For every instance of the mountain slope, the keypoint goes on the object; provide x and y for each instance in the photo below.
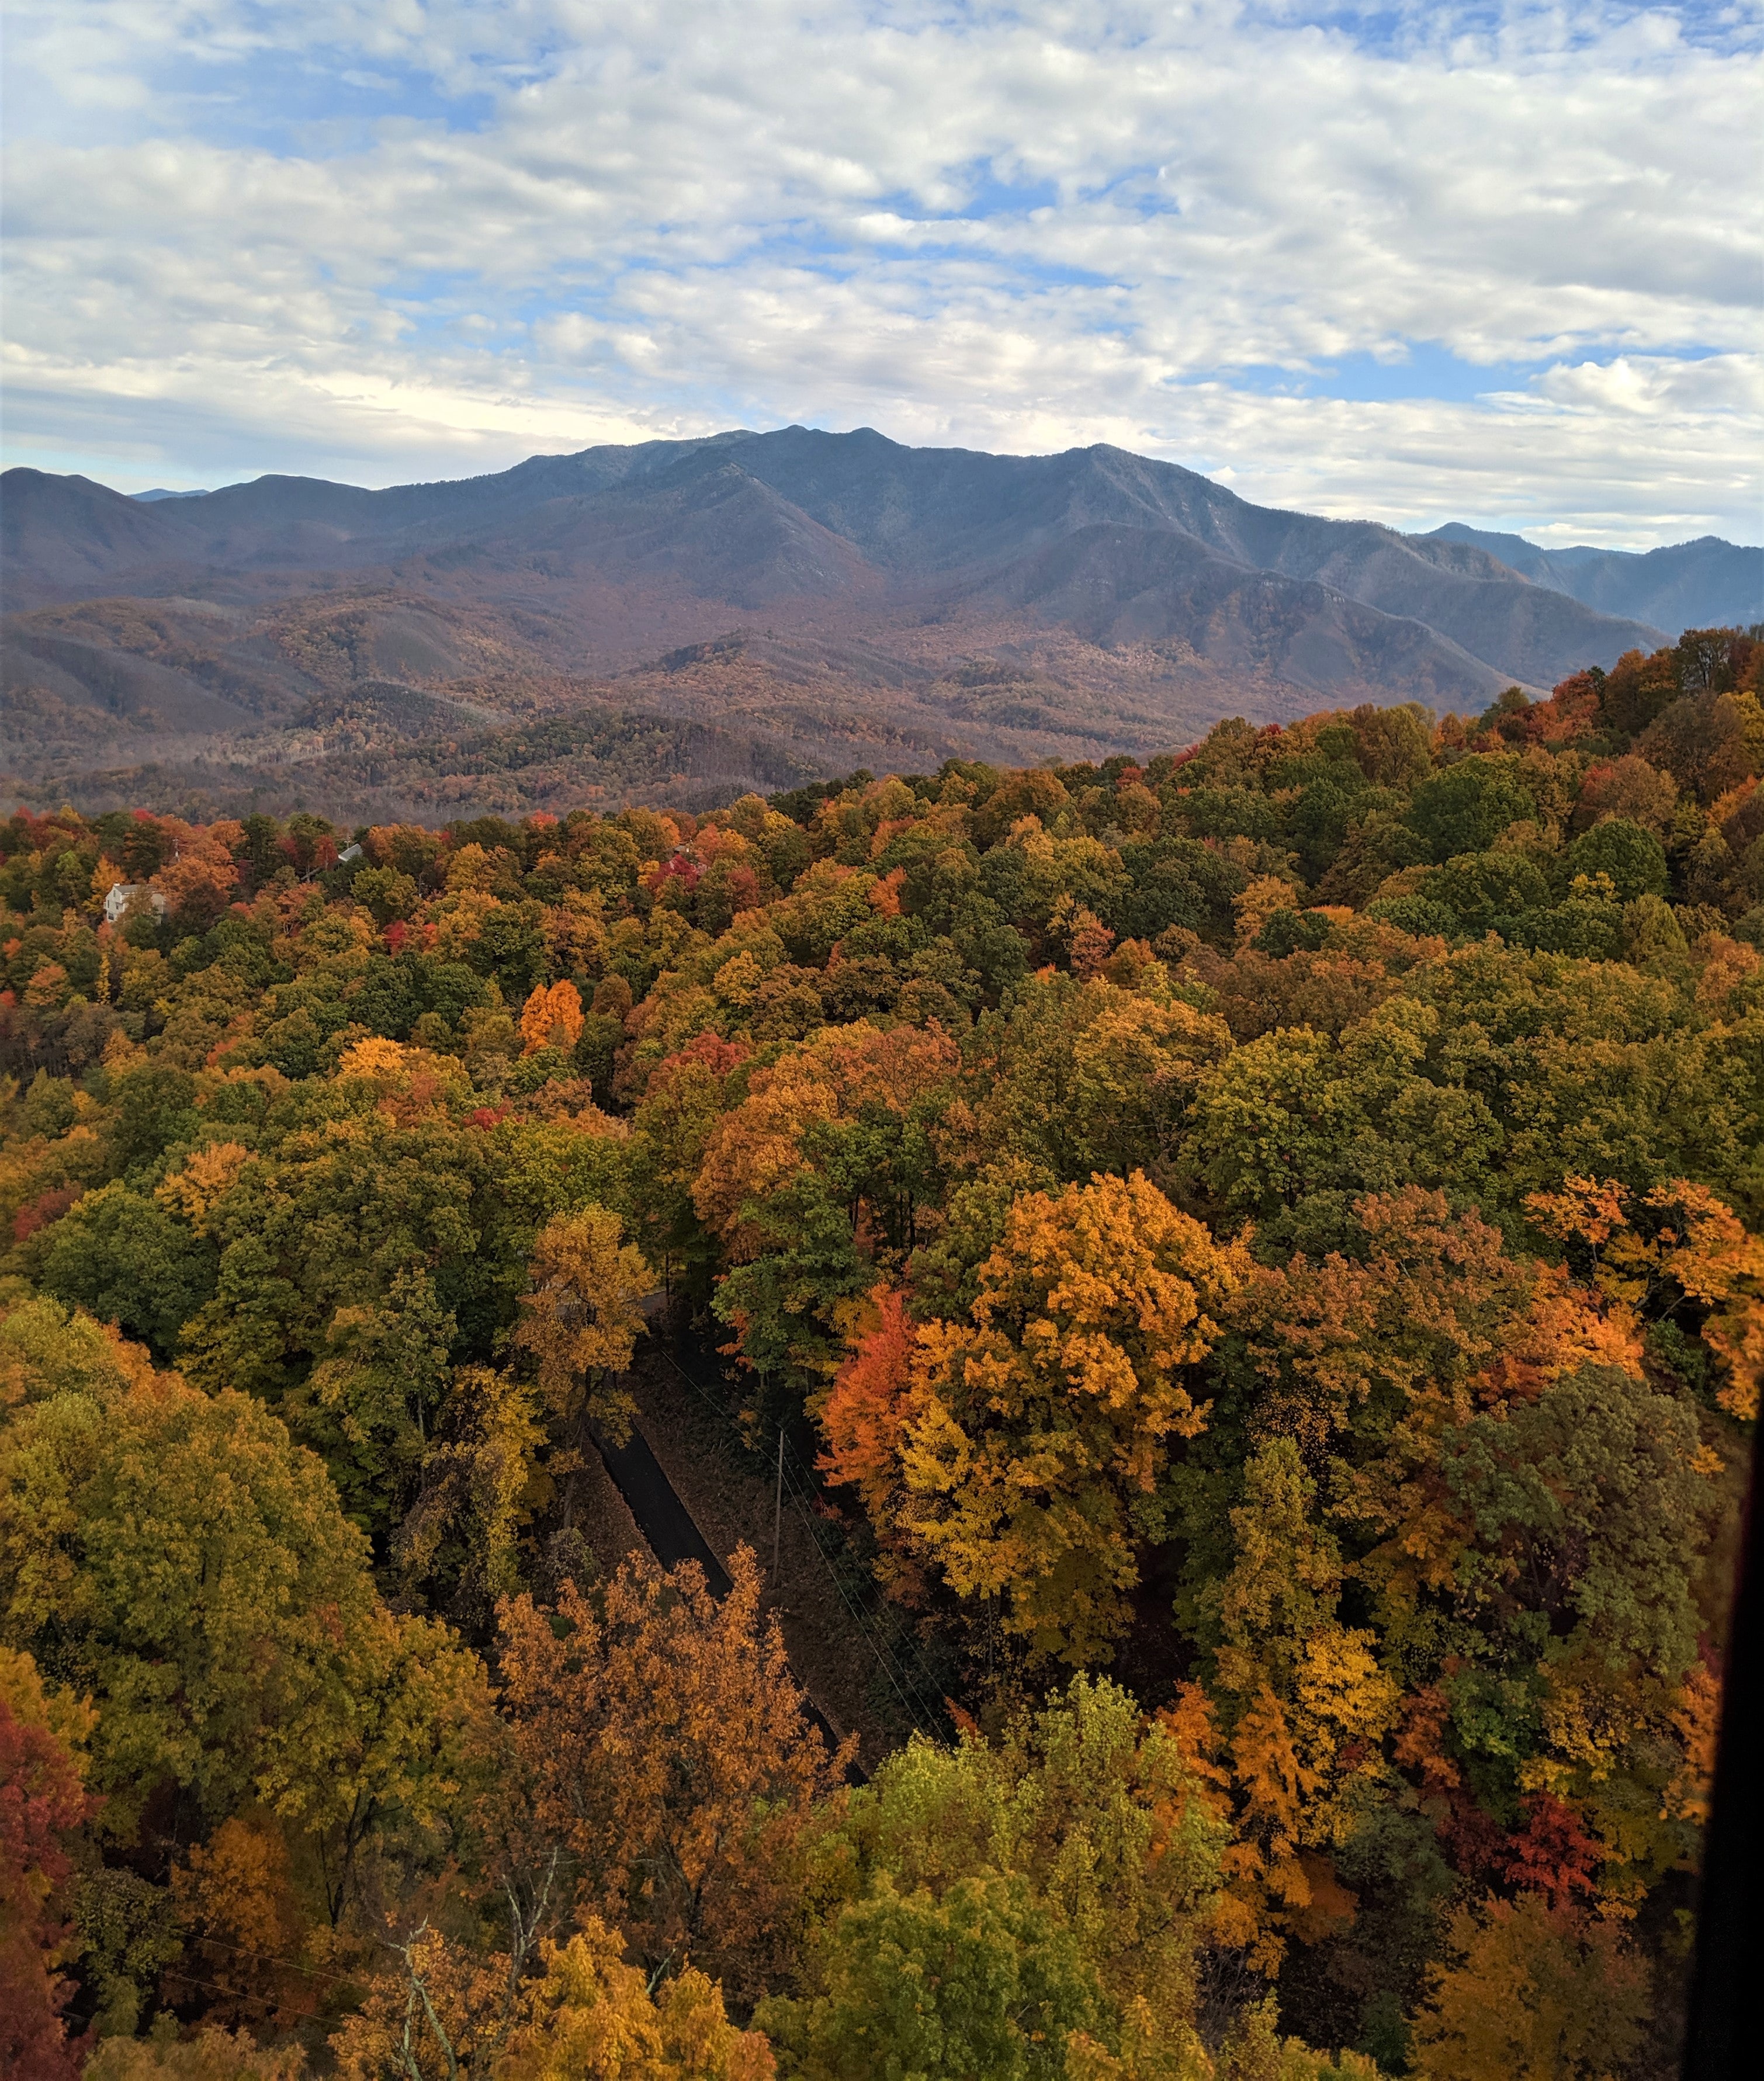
(1705, 584)
(921, 509)
(841, 597)
(750, 520)
(1117, 585)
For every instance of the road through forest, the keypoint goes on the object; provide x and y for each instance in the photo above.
(674, 1537)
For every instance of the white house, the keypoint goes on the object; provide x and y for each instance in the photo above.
(123, 894)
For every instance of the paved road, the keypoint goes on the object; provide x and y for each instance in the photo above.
(667, 1524)
(661, 1518)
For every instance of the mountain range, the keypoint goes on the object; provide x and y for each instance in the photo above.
(1705, 584)
(680, 618)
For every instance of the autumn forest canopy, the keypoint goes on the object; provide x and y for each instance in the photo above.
(1259, 1249)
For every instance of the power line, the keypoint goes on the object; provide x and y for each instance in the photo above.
(794, 1478)
(877, 1647)
(265, 1958)
(236, 1993)
(805, 1511)
(901, 1678)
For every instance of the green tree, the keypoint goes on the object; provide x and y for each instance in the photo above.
(127, 1261)
(1466, 807)
(1072, 1855)
(1294, 1114)
(175, 1556)
(340, 1213)
(1633, 858)
(1588, 1510)
(977, 1982)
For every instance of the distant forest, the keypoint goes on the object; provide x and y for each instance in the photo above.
(1257, 1254)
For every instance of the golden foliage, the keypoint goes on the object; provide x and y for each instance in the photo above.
(581, 1320)
(593, 2018)
(1696, 1720)
(552, 1018)
(209, 1175)
(1532, 1995)
(374, 1058)
(1033, 1431)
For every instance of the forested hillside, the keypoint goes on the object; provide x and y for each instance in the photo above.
(1261, 1245)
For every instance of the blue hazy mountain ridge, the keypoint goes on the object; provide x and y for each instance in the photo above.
(810, 521)
(1706, 583)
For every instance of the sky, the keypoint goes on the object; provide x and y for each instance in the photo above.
(1414, 262)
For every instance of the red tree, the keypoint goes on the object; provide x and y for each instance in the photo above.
(42, 1801)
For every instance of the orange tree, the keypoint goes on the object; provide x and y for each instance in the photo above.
(660, 1742)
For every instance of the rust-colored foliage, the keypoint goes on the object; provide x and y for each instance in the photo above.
(43, 1804)
(760, 1148)
(661, 1742)
(1424, 1309)
(865, 1413)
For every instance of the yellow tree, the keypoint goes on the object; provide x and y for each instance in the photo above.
(581, 1321)
(1531, 1994)
(595, 2019)
(445, 2013)
(1036, 1432)
(1306, 1708)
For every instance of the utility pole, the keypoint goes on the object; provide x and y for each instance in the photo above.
(778, 1509)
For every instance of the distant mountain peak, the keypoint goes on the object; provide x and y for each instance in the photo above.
(1706, 583)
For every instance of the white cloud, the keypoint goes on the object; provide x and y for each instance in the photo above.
(429, 237)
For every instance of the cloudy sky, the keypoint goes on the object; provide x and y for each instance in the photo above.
(1489, 262)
